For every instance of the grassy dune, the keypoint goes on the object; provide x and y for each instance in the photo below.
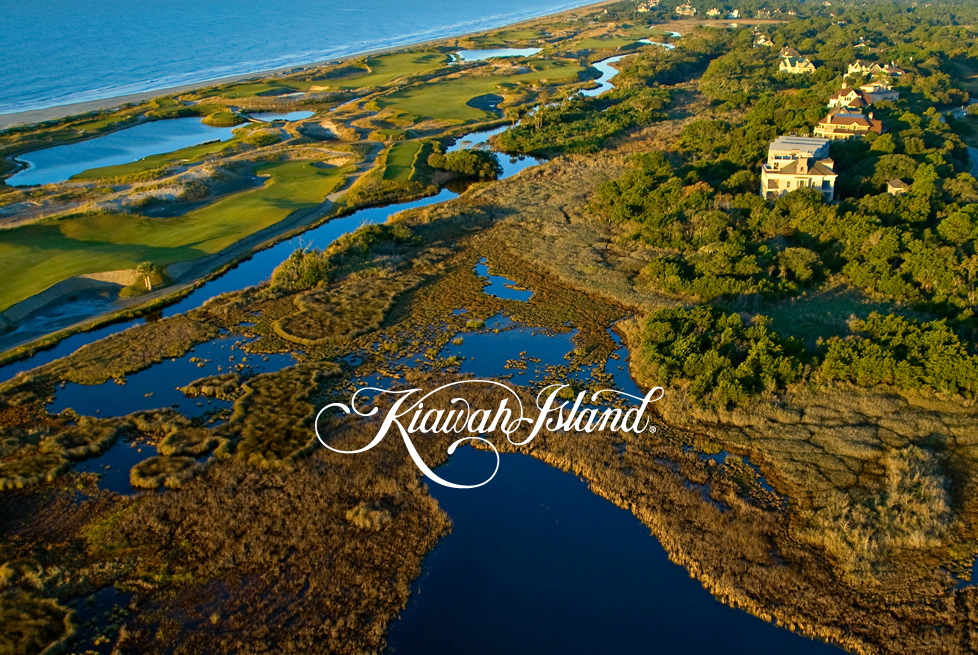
(446, 100)
(34, 257)
(400, 160)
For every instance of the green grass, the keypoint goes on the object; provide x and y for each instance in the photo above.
(386, 68)
(34, 257)
(446, 100)
(824, 313)
(966, 76)
(620, 37)
(251, 89)
(400, 160)
(603, 43)
(383, 70)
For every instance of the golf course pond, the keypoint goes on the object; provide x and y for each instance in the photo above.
(495, 53)
(271, 116)
(61, 163)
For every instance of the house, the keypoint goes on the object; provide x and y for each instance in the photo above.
(762, 13)
(649, 5)
(797, 66)
(847, 99)
(763, 41)
(734, 15)
(838, 126)
(713, 13)
(878, 91)
(897, 187)
(792, 12)
(866, 68)
(789, 52)
(864, 96)
(798, 162)
(686, 10)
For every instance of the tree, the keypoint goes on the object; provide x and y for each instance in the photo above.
(146, 270)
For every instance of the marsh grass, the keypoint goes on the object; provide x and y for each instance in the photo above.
(171, 472)
(30, 624)
(30, 462)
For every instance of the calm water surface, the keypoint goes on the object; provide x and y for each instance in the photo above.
(536, 563)
(482, 55)
(285, 116)
(123, 147)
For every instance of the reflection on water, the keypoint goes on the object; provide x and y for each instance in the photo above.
(97, 615)
(503, 347)
(115, 463)
(499, 286)
(667, 46)
(481, 55)
(536, 563)
(123, 147)
(271, 116)
(157, 386)
(608, 73)
(511, 165)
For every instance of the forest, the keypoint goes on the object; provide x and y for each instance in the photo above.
(719, 242)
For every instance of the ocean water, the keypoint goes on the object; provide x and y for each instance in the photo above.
(57, 52)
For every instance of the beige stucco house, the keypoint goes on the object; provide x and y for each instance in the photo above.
(798, 162)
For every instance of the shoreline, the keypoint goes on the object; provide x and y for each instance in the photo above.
(30, 117)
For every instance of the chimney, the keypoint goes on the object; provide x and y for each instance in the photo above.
(870, 115)
(802, 167)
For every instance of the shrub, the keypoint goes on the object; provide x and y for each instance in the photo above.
(722, 360)
(469, 163)
(905, 353)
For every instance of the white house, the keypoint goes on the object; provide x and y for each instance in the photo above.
(798, 162)
(797, 66)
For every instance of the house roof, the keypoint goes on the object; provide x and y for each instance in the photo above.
(898, 184)
(789, 52)
(817, 168)
(845, 93)
(788, 142)
(850, 120)
(795, 62)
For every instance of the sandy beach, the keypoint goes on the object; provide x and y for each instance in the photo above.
(34, 116)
